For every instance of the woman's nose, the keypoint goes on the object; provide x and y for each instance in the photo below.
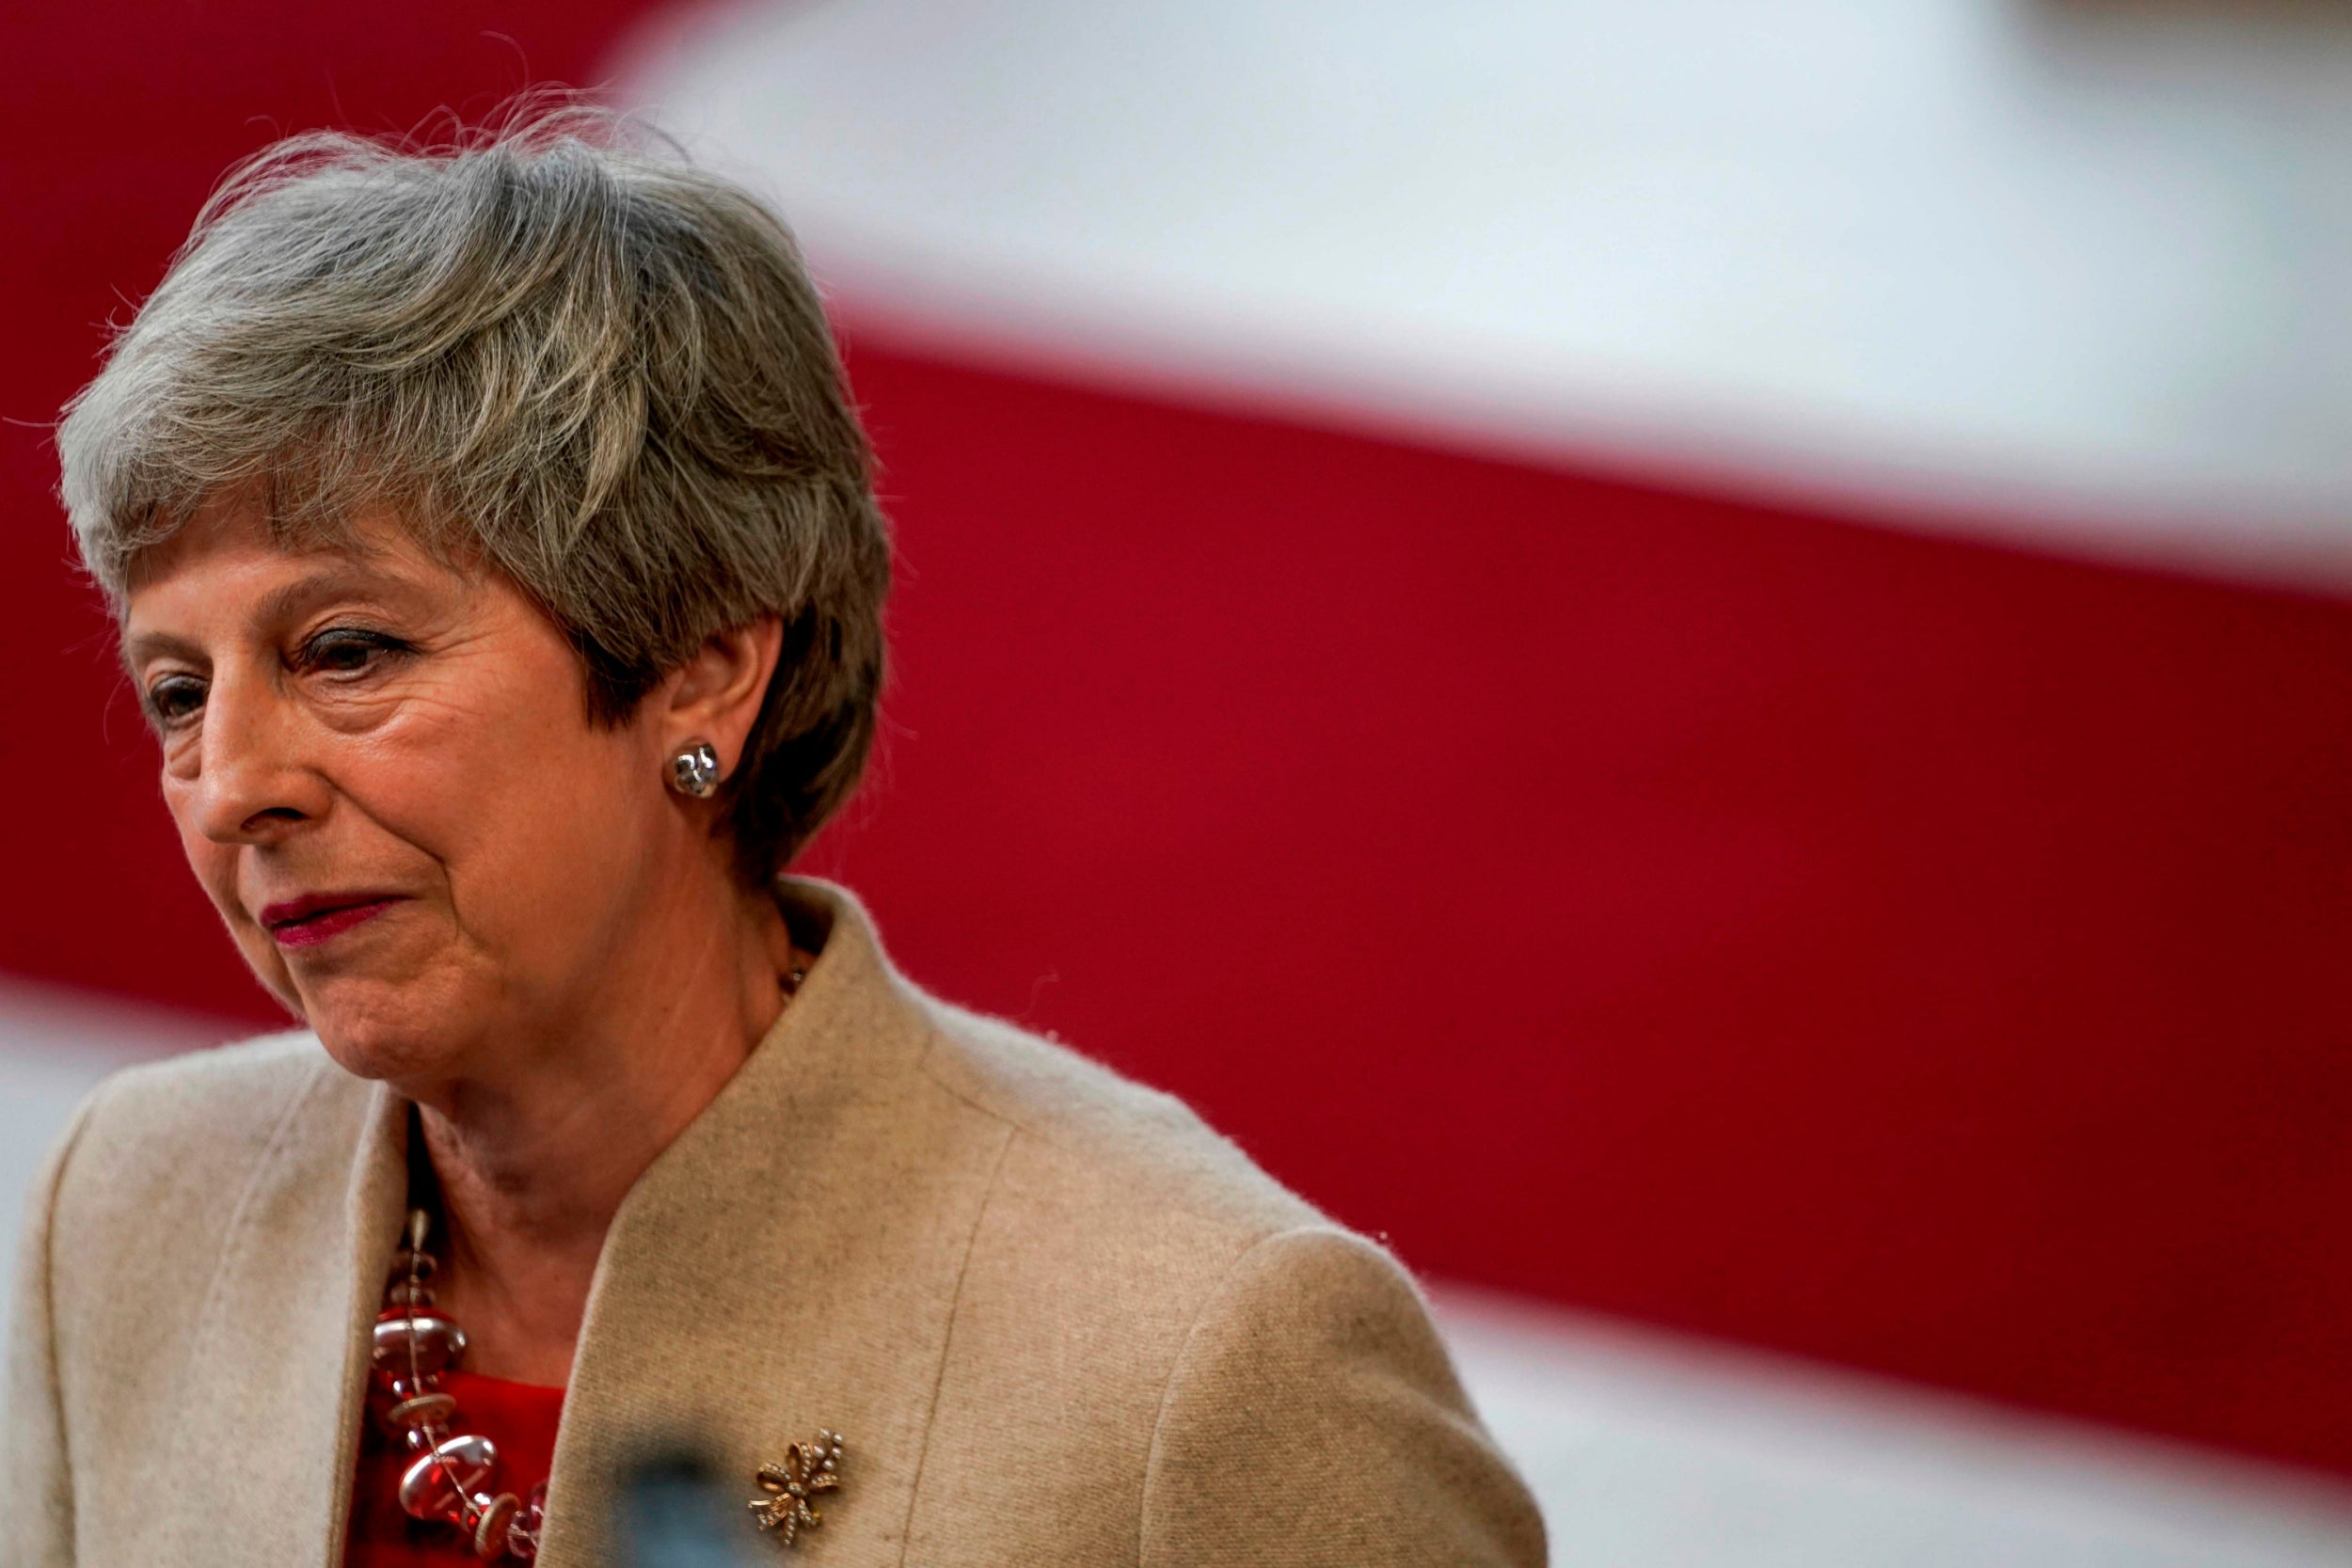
(255, 780)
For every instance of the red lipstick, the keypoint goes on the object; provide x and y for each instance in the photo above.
(312, 918)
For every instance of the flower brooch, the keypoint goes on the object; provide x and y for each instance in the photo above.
(808, 1469)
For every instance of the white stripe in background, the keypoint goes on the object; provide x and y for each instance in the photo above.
(1645, 1450)
(1648, 1449)
(2076, 269)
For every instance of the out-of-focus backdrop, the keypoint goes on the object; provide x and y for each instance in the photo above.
(1694, 658)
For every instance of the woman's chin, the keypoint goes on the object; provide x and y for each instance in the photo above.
(373, 1029)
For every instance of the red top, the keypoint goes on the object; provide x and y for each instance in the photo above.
(520, 1418)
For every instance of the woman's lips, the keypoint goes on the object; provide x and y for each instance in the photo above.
(308, 921)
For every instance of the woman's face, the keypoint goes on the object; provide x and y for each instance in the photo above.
(383, 775)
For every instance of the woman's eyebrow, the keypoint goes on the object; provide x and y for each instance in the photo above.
(286, 602)
(138, 647)
(290, 600)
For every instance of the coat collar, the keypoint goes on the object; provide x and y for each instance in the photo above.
(790, 1262)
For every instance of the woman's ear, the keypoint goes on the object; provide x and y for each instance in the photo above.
(715, 695)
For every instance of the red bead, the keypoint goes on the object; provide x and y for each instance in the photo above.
(440, 1483)
(438, 1344)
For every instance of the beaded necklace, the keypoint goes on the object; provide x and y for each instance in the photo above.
(454, 1479)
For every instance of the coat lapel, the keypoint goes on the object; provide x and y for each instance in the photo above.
(791, 1264)
(301, 1258)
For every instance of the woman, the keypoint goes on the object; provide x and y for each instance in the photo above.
(495, 556)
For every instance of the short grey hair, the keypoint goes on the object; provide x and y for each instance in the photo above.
(551, 347)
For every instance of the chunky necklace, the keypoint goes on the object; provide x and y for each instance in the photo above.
(454, 1478)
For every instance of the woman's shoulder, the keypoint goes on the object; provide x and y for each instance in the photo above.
(225, 1095)
(1079, 1122)
(1128, 1249)
(188, 1131)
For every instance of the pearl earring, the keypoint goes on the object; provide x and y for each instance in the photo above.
(695, 771)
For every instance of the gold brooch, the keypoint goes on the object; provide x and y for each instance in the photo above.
(808, 1469)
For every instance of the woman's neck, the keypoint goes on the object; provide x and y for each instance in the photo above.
(532, 1164)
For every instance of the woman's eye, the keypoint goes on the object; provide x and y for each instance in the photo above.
(175, 699)
(348, 652)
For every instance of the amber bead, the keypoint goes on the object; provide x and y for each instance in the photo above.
(489, 1533)
(421, 1410)
(523, 1536)
(421, 1264)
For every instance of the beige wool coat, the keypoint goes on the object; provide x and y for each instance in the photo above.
(1057, 1319)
